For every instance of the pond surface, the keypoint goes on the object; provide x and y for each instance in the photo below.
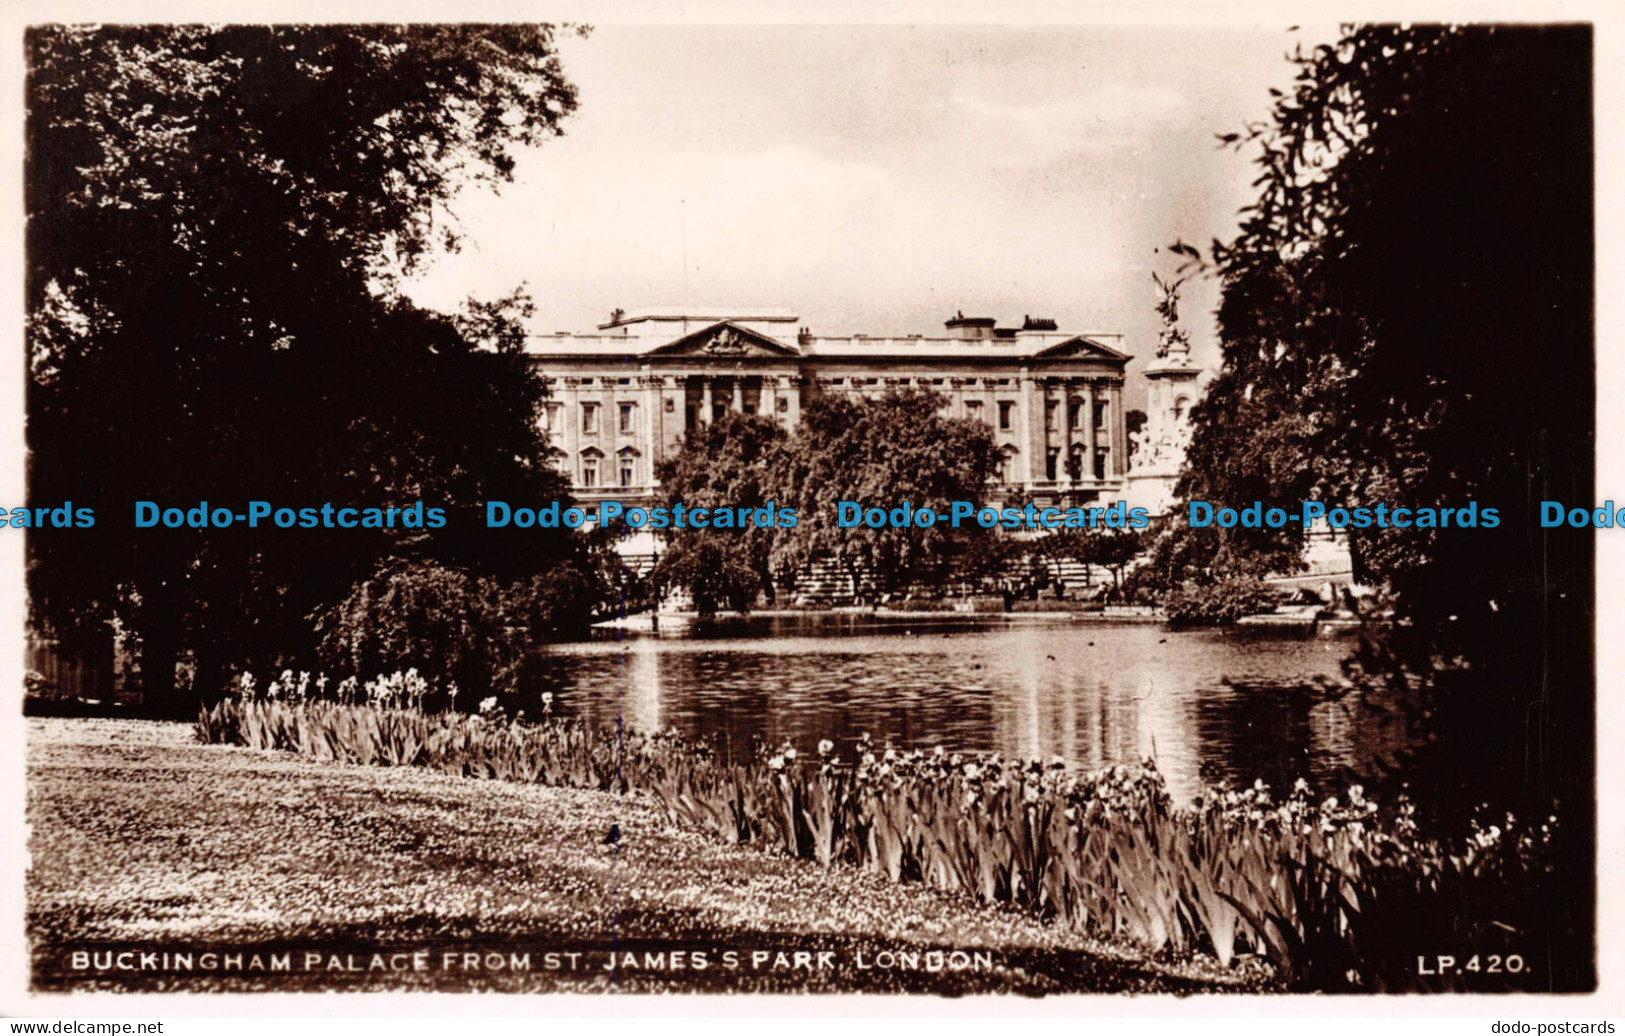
(1207, 705)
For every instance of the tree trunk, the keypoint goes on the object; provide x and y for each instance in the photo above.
(209, 676)
(160, 646)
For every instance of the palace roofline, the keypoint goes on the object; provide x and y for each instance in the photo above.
(1022, 345)
(761, 314)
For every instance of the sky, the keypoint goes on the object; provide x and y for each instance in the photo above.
(879, 179)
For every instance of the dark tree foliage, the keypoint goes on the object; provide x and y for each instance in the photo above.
(423, 615)
(724, 464)
(216, 221)
(1407, 311)
(879, 453)
(1407, 319)
(1111, 549)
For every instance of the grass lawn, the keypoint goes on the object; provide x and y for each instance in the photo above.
(144, 841)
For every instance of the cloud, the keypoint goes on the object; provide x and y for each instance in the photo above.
(1108, 119)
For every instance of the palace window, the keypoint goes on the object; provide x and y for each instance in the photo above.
(1049, 417)
(589, 418)
(589, 472)
(629, 418)
(1005, 465)
(1100, 415)
(1074, 463)
(1006, 410)
(1052, 461)
(973, 410)
(629, 471)
(1100, 464)
(1074, 414)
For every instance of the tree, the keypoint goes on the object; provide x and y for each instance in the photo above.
(217, 220)
(1111, 549)
(879, 453)
(1406, 320)
(1372, 309)
(424, 615)
(722, 464)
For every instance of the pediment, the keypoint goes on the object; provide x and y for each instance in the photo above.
(725, 340)
(1081, 348)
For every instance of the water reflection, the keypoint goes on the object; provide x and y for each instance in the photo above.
(1207, 705)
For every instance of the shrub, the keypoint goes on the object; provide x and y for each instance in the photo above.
(422, 612)
(1218, 604)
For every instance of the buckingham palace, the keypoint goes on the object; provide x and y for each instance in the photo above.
(622, 398)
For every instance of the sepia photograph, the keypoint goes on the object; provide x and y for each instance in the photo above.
(922, 508)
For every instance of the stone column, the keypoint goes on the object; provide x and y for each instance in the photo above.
(790, 387)
(675, 392)
(1117, 421)
(1032, 418)
(737, 404)
(705, 399)
(609, 432)
(570, 439)
(1046, 395)
(649, 434)
(1069, 433)
(1089, 429)
(767, 400)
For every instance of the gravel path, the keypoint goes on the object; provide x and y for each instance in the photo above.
(145, 843)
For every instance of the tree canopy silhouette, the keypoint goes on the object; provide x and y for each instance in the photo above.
(1406, 319)
(879, 453)
(218, 220)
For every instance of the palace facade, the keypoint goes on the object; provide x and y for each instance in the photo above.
(623, 398)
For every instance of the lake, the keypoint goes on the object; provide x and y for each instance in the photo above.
(1208, 705)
